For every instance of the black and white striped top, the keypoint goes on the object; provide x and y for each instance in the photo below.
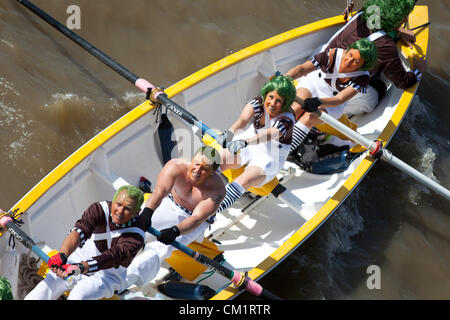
(284, 124)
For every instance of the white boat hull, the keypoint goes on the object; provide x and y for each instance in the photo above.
(255, 239)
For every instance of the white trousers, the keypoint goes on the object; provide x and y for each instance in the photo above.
(362, 102)
(101, 284)
(319, 88)
(146, 265)
(270, 156)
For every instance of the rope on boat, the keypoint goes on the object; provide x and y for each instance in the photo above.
(28, 277)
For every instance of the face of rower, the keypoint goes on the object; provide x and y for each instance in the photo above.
(123, 208)
(352, 61)
(273, 103)
(199, 169)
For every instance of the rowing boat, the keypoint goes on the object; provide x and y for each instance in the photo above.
(261, 230)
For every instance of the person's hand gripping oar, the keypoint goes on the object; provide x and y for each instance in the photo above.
(9, 222)
(241, 280)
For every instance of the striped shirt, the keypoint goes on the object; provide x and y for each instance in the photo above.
(325, 62)
(284, 125)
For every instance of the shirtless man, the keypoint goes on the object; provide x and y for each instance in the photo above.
(182, 205)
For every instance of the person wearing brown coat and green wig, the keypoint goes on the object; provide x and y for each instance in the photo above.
(380, 21)
(328, 81)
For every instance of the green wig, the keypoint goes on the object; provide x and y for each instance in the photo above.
(285, 88)
(5, 289)
(391, 12)
(134, 193)
(368, 52)
(212, 154)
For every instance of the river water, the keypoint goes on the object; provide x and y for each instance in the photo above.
(54, 97)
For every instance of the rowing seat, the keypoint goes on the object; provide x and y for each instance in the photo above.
(264, 190)
(186, 266)
(232, 174)
(330, 130)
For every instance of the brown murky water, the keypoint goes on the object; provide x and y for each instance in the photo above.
(54, 97)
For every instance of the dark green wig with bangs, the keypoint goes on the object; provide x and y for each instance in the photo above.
(368, 52)
(392, 12)
(285, 88)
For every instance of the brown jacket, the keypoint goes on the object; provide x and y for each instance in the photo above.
(123, 248)
(388, 60)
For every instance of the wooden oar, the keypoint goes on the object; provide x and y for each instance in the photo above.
(239, 279)
(376, 149)
(142, 84)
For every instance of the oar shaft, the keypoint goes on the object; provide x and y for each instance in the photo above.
(22, 237)
(81, 42)
(386, 155)
(399, 164)
(421, 26)
(370, 145)
(235, 277)
(140, 83)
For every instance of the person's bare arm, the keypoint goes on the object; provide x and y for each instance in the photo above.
(244, 118)
(164, 184)
(201, 213)
(70, 243)
(301, 70)
(264, 135)
(340, 98)
(206, 207)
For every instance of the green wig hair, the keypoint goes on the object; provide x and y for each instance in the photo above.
(5, 289)
(211, 154)
(134, 193)
(368, 52)
(391, 12)
(285, 88)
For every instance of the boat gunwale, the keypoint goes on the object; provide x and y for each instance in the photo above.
(328, 209)
(136, 113)
(303, 233)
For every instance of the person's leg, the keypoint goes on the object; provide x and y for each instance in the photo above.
(229, 161)
(94, 287)
(49, 288)
(303, 124)
(252, 176)
(145, 266)
(362, 102)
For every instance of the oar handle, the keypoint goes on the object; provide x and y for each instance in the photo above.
(237, 278)
(386, 155)
(421, 26)
(8, 223)
(336, 124)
